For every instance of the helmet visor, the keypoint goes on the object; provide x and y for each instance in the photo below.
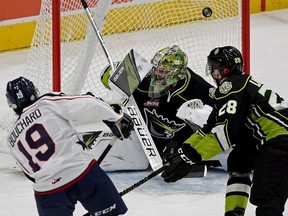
(211, 66)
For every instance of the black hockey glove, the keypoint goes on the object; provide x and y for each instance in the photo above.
(179, 162)
(122, 128)
(169, 151)
(116, 107)
(127, 125)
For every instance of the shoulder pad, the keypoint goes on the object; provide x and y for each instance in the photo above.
(233, 84)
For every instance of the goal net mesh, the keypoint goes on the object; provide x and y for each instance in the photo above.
(143, 25)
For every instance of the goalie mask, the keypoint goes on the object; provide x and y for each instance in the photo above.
(169, 65)
(21, 93)
(227, 60)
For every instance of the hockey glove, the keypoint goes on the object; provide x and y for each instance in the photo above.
(122, 128)
(179, 162)
(127, 125)
(117, 108)
(169, 151)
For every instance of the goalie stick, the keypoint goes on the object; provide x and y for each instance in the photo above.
(126, 78)
(143, 134)
(97, 31)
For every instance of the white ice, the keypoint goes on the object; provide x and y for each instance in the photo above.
(201, 196)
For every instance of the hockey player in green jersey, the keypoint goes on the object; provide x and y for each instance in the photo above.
(244, 110)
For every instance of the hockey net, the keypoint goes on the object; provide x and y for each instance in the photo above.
(144, 25)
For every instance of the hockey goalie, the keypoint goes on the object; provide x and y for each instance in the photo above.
(171, 100)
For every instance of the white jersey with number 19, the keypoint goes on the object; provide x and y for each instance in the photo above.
(45, 143)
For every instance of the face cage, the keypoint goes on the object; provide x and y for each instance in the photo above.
(161, 73)
(161, 80)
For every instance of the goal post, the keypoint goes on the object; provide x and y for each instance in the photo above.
(245, 33)
(56, 48)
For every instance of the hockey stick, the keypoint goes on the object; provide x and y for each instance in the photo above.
(97, 31)
(143, 180)
(106, 150)
(196, 171)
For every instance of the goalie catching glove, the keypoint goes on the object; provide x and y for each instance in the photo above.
(122, 128)
(178, 161)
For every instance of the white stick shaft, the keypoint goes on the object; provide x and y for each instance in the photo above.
(97, 31)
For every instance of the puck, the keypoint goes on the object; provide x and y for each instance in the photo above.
(207, 12)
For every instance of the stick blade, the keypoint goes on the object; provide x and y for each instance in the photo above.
(197, 171)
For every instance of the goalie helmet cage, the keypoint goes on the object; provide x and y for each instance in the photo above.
(71, 50)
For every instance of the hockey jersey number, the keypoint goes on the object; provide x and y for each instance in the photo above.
(37, 137)
(229, 107)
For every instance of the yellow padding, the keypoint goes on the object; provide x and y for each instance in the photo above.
(16, 36)
(276, 4)
(234, 201)
(124, 20)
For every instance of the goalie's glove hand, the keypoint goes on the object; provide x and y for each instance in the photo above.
(122, 128)
(179, 162)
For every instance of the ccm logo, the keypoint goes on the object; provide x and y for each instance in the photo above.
(107, 210)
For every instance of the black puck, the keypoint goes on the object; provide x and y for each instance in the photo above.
(207, 12)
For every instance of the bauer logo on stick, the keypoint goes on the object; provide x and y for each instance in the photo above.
(207, 12)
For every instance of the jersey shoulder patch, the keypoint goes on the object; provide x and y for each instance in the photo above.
(225, 87)
(233, 84)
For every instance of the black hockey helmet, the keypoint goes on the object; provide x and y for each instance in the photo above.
(21, 93)
(227, 59)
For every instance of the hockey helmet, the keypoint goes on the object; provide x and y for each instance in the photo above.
(169, 65)
(21, 93)
(228, 60)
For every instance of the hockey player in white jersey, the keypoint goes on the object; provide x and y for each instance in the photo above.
(53, 155)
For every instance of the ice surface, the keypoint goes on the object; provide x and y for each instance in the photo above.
(199, 197)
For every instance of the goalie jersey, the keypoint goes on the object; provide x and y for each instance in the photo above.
(45, 144)
(160, 113)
